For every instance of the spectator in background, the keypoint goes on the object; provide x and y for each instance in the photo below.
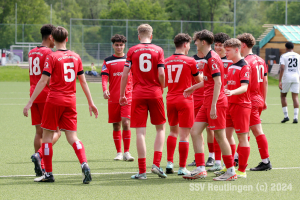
(93, 70)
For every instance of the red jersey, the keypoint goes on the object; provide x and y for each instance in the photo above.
(143, 60)
(213, 68)
(113, 68)
(238, 73)
(179, 71)
(258, 71)
(36, 59)
(199, 93)
(63, 66)
(226, 63)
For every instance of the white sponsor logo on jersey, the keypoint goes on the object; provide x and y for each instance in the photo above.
(231, 82)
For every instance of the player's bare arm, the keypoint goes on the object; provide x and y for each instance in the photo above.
(38, 89)
(280, 76)
(240, 90)
(217, 88)
(124, 79)
(86, 90)
(161, 77)
(198, 78)
(189, 91)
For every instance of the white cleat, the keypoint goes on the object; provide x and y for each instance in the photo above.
(195, 174)
(119, 156)
(127, 157)
(226, 177)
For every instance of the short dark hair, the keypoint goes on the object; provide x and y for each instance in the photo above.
(247, 38)
(118, 38)
(289, 45)
(204, 35)
(181, 38)
(60, 34)
(46, 30)
(221, 37)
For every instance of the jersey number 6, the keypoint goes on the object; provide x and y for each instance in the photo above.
(142, 62)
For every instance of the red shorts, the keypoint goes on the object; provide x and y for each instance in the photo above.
(182, 113)
(116, 112)
(37, 113)
(139, 112)
(238, 117)
(255, 115)
(213, 124)
(59, 116)
(197, 105)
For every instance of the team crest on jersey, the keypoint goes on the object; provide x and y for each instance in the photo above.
(197, 66)
(247, 74)
(214, 66)
(233, 71)
(46, 65)
(104, 67)
(225, 65)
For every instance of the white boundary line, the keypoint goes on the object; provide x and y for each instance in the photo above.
(114, 173)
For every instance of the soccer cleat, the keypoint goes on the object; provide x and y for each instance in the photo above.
(127, 157)
(182, 171)
(219, 173)
(86, 173)
(236, 162)
(169, 168)
(36, 159)
(195, 174)
(285, 119)
(119, 156)
(262, 167)
(139, 176)
(295, 121)
(241, 174)
(159, 171)
(210, 162)
(45, 178)
(192, 164)
(226, 177)
(214, 168)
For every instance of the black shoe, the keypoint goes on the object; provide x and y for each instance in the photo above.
(295, 121)
(285, 119)
(236, 162)
(45, 178)
(210, 162)
(192, 164)
(86, 172)
(262, 167)
(36, 159)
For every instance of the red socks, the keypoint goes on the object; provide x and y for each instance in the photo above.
(233, 147)
(40, 151)
(183, 153)
(171, 145)
(217, 148)
(157, 158)
(199, 159)
(117, 139)
(228, 161)
(47, 153)
(80, 152)
(142, 165)
(262, 144)
(244, 153)
(126, 140)
(211, 147)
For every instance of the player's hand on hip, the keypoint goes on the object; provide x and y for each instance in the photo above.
(228, 92)
(188, 92)
(106, 94)
(280, 85)
(123, 101)
(26, 108)
(213, 112)
(93, 109)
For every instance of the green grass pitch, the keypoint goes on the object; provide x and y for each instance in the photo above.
(111, 179)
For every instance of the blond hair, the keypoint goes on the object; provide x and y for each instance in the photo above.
(233, 42)
(145, 30)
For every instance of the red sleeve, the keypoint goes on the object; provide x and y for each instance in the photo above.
(104, 82)
(128, 59)
(48, 66)
(161, 59)
(194, 68)
(104, 70)
(214, 67)
(245, 74)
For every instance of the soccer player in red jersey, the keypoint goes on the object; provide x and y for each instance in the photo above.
(258, 94)
(112, 70)
(213, 111)
(238, 92)
(36, 59)
(146, 61)
(60, 109)
(180, 70)
(219, 40)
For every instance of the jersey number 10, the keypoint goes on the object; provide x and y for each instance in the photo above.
(260, 73)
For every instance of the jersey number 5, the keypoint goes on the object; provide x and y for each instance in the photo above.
(142, 62)
(260, 73)
(36, 66)
(70, 70)
(171, 68)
